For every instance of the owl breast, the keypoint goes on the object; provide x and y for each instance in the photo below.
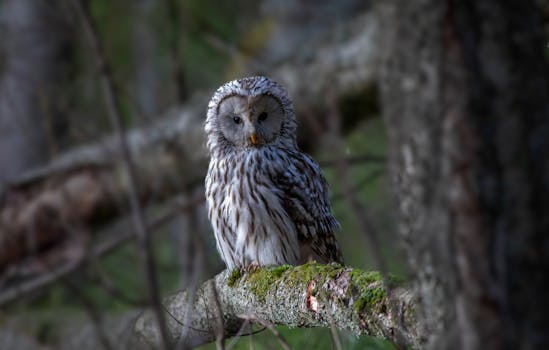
(246, 211)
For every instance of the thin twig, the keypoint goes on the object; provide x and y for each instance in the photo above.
(354, 160)
(177, 207)
(232, 50)
(25, 288)
(269, 326)
(359, 185)
(360, 211)
(93, 313)
(17, 291)
(138, 216)
(219, 324)
(238, 334)
(252, 344)
(174, 20)
(335, 336)
(186, 328)
(344, 175)
(313, 123)
(195, 257)
(101, 278)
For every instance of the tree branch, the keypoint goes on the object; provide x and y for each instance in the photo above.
(311, 295)
(139, 220)
(12, 293)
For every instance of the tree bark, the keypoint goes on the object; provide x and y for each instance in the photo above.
(33, 44)
(466, 101)
(311, 295)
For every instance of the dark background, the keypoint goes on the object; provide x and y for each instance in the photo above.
(429, 120)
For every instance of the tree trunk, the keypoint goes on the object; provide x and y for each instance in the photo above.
(466, 102)
(32, 41)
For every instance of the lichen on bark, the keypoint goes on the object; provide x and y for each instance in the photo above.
(311, 295)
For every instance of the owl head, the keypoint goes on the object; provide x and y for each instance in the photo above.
(251, 112)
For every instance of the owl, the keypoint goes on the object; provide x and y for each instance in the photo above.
(268, 202)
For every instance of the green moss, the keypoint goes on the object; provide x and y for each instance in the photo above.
(367, 287)
(313, 270)
(364, 278)
(262, 280)
(234, 277)
(279, 270)
(370, 298)
(371, 289)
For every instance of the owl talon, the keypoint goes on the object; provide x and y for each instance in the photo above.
(251, 268)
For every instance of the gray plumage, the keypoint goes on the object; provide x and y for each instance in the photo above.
(268, 203)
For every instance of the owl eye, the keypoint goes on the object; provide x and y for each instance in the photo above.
(262, 116)
(237, 120)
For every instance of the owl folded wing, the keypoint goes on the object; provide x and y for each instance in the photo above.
(305, 196)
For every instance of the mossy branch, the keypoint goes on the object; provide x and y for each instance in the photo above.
(311, 295)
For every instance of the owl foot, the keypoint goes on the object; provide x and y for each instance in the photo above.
(251, 268)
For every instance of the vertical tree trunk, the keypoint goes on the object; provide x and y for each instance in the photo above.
(147, 80)
(32, 40)
(466, 101)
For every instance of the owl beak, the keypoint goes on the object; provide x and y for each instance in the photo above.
(254, 139)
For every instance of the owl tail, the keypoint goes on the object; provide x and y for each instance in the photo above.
(323, 249)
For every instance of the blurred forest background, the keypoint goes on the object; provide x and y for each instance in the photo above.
(166, 57)
(78, 233)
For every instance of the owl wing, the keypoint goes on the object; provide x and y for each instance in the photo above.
(305, 196)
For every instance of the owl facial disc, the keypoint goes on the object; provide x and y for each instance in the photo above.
(250, 112)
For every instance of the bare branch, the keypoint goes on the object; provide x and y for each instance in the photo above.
(348, 298)
(355, 160)
(335, 336)
(20, 290)
(138, 215)
(218, 322)
(270, 327)
(94, 314)
(359, 185)
(174, 21)
(99, 276)
(343, 172)
(239, 334)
